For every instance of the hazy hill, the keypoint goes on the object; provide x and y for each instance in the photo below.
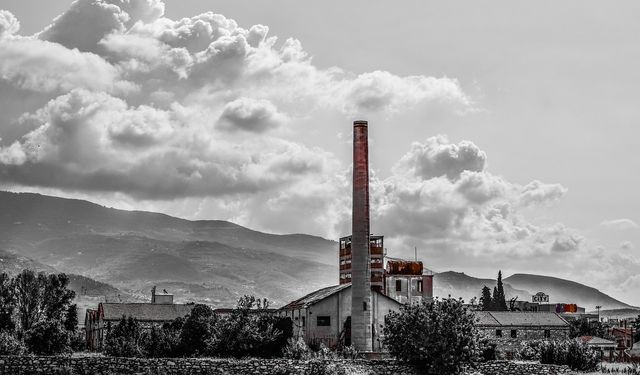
(457, 284)
(562, 291)
(208, 261)
(524, 286)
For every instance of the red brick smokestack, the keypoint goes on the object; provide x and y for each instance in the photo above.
(361, 318)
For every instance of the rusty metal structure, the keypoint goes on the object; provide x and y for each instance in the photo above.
(361, 318)
(376, 256)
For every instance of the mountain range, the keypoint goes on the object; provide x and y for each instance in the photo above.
(119, 255)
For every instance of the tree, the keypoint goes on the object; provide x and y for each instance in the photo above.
(250, 333)
(71, 318)
(197, 329)
(499, 299)
(486, 302)
(40, 297)
(47, 337)
(583, 327)
(7, 303)
(9, 345)
(124, 339)
(436, 337)
(161, 342)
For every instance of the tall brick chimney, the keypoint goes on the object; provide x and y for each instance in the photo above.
(361, 318)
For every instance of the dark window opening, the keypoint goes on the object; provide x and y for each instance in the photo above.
(303, 322)
(364, 306)
(420, 286)
(323, 321)
(398, 286)
(514, 333)
(498, 333)
(547, 333)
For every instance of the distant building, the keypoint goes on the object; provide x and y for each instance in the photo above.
(324, 316)
(605, 347)
(98, 322)
(407, 282)
(508, 329)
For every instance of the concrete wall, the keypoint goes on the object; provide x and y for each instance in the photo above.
(188, 366)
(338, 308)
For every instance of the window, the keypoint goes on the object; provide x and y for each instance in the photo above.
(303, 322)
(364, 306)
(498, 333)
(323, 321)
(514, 333)
(420, 286)
(398, 286)
(547, 333)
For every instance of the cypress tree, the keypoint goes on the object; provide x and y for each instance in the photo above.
(500, 299)
(485, 299)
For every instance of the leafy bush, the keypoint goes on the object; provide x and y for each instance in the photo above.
(9, 345)
(436, 337)
(488, 351)
(296, 349)
(576, 355)
(161, 342)
(47, 337)
(196, 330)
(249, 333)
(77, 340)
(123, 340)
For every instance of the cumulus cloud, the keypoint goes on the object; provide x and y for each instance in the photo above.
(8, 23)
(619, 224)
(566, 243)
(250, 115)
(438, 157)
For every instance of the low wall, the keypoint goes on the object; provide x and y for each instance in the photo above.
(187, 366)
(520, 368)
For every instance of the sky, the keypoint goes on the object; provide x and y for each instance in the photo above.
(503, 134)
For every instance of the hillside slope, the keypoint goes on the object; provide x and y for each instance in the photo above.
(565, 291)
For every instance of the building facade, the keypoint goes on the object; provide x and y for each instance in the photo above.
(324, 316)
(407, 282)
(507, 330)
(98, 322)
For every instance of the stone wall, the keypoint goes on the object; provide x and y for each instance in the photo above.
(506, 343)
(520, 368)
(187, 366)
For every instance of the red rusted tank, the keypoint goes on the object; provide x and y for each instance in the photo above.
(404, 267)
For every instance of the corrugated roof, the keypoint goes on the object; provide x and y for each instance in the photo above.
(150, 312)
(314, 297)
(516, 318)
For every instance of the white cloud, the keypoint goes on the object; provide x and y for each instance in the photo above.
(9, 24)
(619, 224)
(250, 115)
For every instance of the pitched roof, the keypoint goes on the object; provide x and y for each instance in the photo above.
(148, 312)
(484, 318)
(315, 297)
(516, 318)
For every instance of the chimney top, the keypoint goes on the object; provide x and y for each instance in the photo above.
(360, 123)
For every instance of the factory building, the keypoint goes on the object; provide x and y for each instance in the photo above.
(352, 312)
(324, 316)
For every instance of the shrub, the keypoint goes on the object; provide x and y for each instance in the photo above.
(123, 340)
(576, 355)
(9, 345)
(436, 337)
(488, 351)
(249, 333)
(159, 342)
(77, 340)
(47, 338)
(196, 330)
(296, 349)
